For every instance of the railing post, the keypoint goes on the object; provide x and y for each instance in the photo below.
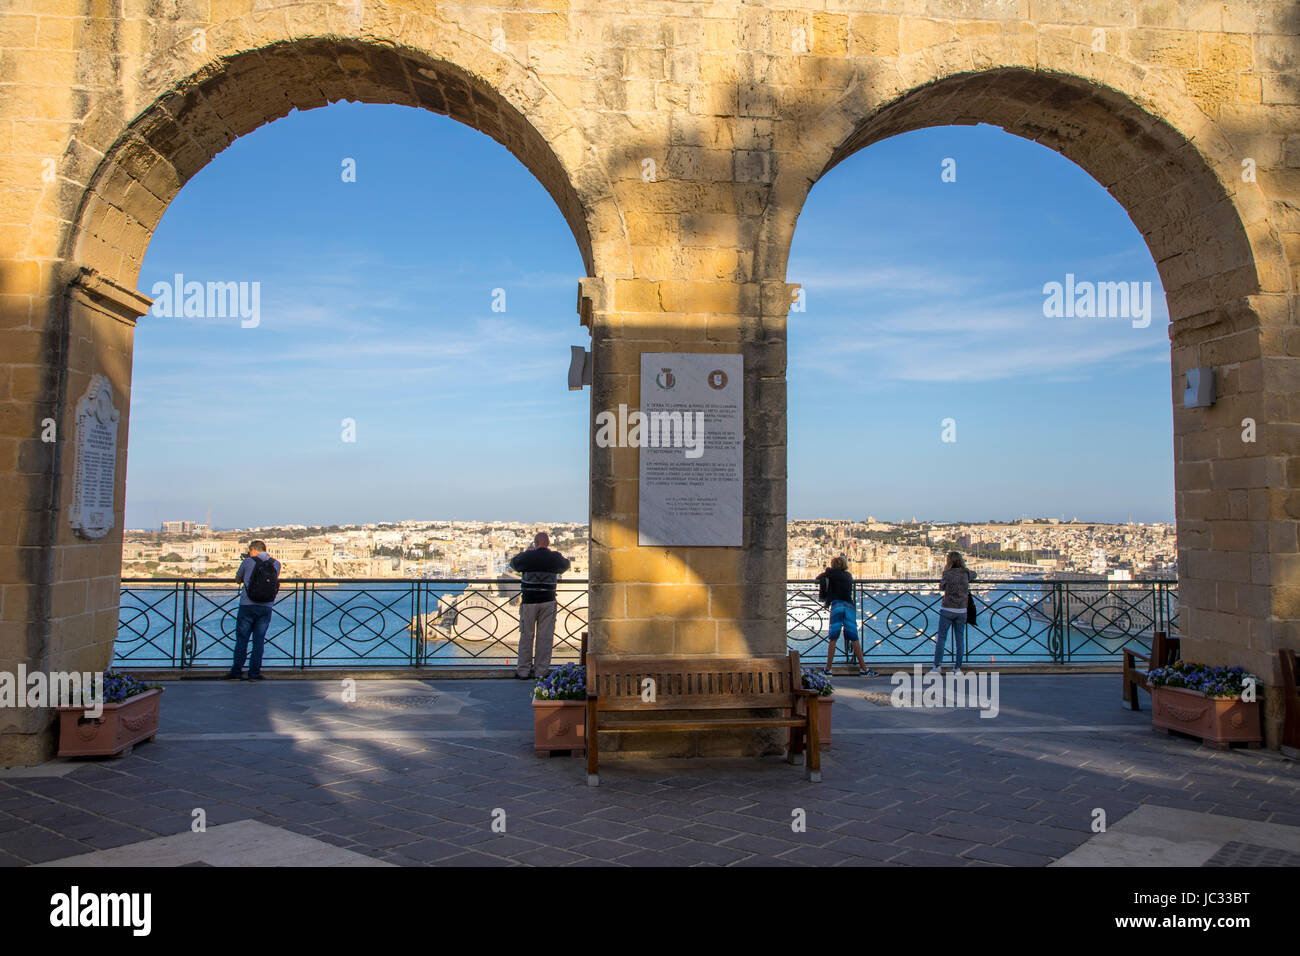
(419, 605)
(187, 627)
(859, 595)
(1062, 623)
(1169, 613)
(307, 605)
(1161, 599)
(298, 659)
(1156, 601)
(178, 622)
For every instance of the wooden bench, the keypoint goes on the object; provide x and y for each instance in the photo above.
(724, 686)
(1164, 651)
(1290, 699)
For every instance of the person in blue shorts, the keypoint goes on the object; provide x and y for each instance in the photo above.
(844, 614)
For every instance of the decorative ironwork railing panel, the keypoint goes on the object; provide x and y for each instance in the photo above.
(1017, 621)
(341, 623)
(468, 622)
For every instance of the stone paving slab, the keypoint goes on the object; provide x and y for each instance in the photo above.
(421, 782)
(1161, 836)
(246, 843)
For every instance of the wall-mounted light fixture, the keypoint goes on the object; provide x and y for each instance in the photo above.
(1200, 388)
(579, 368)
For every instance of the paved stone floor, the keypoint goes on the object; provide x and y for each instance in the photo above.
(416, 772)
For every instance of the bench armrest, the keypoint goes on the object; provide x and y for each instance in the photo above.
(804, 692)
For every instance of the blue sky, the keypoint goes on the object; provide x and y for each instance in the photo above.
(924, 302)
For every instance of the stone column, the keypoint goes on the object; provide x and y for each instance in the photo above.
(1236, 480)
(698, 295)
(70, 599)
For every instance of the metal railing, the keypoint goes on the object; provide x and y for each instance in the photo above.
(341, 622)
(1017, 621)
(382, 622)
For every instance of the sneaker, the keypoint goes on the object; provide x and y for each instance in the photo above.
(937, 670)
(231, 675)
(828, 672)
(254, 678)
(867, 673)
(956, 672)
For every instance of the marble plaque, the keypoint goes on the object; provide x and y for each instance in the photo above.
(691, 449)
(94, 484)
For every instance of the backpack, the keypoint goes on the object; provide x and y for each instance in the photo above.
(264, 583)
(824, 589)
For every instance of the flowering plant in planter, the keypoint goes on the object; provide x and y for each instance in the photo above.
(118, 686)
(127, 715)
(566, 682)
(815, 680)
(1206, 702)
(812, 680)
(560, 710)
(1228, 682)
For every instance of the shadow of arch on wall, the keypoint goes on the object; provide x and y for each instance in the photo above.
(145, 166)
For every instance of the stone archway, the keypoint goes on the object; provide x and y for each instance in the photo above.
(1227, 289)
(741, 108)
(132, 170)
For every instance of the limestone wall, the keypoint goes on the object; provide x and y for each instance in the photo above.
(680, 140)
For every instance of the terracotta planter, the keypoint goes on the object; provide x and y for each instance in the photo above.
(120, 727)
(1216, 720)
(559, 725)
(824, 721)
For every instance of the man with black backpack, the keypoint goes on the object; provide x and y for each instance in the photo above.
(259, 573)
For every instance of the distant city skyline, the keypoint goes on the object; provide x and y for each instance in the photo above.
(923, 304)
(432, 549)
(918, 519)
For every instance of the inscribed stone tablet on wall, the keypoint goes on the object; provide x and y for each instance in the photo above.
(692, 447)
(95, 460)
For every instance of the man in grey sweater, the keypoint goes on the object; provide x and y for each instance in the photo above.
(540, 567)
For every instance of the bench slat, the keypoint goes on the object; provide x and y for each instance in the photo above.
(735, 702)
(699, 684)
(625, 727)
(687, 665)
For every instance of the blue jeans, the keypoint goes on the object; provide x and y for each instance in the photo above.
(844, 617)
(253, 620)
(958, 625)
